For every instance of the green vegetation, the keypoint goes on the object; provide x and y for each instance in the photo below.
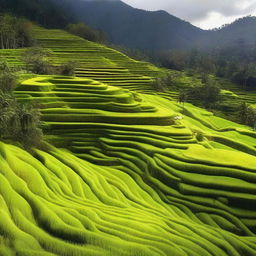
(43, 12)
(207, 94)
(248, 115)
(140, 174)
(37, 61)
(68, 68)
(19, 121)
(86, 32)
(14, 32)
(8, 79)
(236, 63)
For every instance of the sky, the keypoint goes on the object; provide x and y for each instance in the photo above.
(206, 14)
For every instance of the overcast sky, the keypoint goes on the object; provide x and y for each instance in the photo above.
(206, 14)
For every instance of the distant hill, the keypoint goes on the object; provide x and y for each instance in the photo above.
(156, 30)
(133, 27)
(241, 32)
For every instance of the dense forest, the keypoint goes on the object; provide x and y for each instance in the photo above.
(43, 12)
(236, 63)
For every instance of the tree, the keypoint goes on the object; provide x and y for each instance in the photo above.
(166, 82)
(7, 78)
(19, 122)
(7, 111)
(26, 125)
(182, 98)
(210, 94)
(243, 112)
(245, 72)
(247, 115)
(159, 85)
(175, 59)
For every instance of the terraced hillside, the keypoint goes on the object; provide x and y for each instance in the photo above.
(57, 204)
(137, 175)
(146, 177)
(96, 61)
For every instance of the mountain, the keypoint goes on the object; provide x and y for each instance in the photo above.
(156, 30)
(241, 32)
(43, 12)
(131, 27)
(135, 28)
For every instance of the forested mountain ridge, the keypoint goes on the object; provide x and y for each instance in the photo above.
(135, 28)
(156, 30)
(43, 12)
(131, 27)
(241, 32)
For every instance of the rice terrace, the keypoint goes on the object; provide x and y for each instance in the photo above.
(106, 154)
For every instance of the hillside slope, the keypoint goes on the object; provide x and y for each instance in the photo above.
(95, 60)
(211, 180)
(57, 204)
(138, 175)
(147, 185)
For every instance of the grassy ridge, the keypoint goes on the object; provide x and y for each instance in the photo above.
(208, 181)
(95, 60)
(57, 204)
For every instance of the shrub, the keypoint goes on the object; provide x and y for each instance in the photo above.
(200, 136)
(159, 85)
(7, 112)
(26, 125)
(208, 94)
(68, 68)
(182, 97)
(8, 80)
(247, 115)
(166, 82)
(37, 61)
(19, 121)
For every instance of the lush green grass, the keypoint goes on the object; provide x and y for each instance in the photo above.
(187, 196)
(138, 174)
(57, 204)
(96, 61)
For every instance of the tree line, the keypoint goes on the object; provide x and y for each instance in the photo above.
(87, 32)
(235, 63)
(15, 32)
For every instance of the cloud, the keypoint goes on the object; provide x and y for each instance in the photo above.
(200, 11)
